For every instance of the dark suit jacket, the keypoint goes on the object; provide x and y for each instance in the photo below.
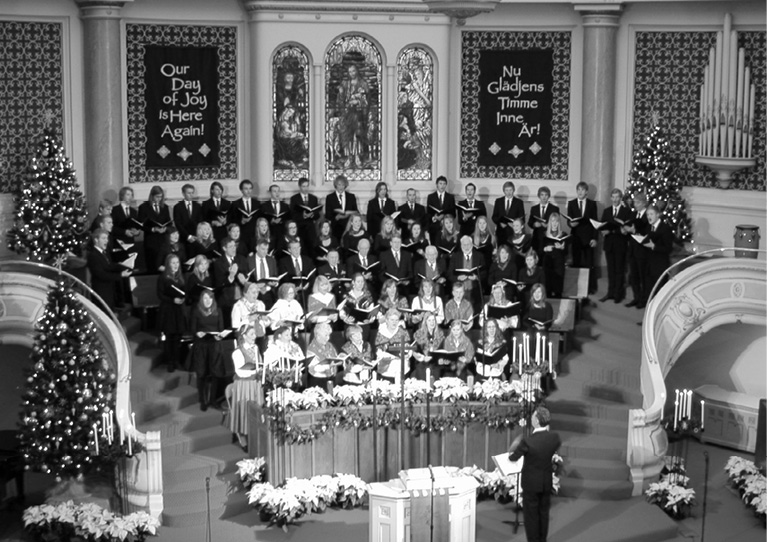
(267, 211)
(516, 210)
(614, 240)
(331, 204)
(122, 222)
(582, 231)
(422, 267)
(105, 274)
(251, 262)
(642, 227)
(468, 222)
(225, 290)
(447, 207)
(537, 449)
(247, 231)
(406, 217)
(659, 256)
(287, 266)
(388, 265)
(353, 265)
(150, 219)
(457, 261)
(375, 214)
(186, 224)
(297, 212)
(535, 211)
(210, 213)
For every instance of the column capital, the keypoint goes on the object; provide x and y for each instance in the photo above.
(101, 9)
(460, 10)
(600, 14)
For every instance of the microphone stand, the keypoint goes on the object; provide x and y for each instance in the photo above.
(705, 498)
(208, 536)
(431, 506)
(401, 441)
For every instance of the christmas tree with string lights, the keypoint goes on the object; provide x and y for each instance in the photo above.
(653, 174)
(70, 392)
(50, 217)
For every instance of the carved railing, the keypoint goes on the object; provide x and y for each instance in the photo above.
(703, 291)
(24, 288)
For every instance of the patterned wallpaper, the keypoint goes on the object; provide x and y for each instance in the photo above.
(475, 41)
(31, 93)
(223, 37)
(667, 78)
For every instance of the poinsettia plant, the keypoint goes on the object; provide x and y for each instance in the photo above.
(750, 482)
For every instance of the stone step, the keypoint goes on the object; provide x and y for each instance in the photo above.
(598, 348)
(616, 376)
(560, 403)
(610, 490)
(595, 469)
(193, 441)
(578, 445)
(171, 401)
(187, 419)
(590, 426)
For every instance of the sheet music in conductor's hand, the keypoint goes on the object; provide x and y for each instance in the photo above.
(507, 466)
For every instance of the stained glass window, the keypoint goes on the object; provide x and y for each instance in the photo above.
(415, 90)
(353, 110)
(290, 114)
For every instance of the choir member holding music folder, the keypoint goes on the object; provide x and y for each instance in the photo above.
(379, 207)
(215, 210)
(275, 211)
(615, 218)
(305, 209)
(244, 212)
(439, 204)
(154, 219)
(506, 209)
(469, 210)
(411, 213)
(580, 212)
(171, 291)
(539, 218)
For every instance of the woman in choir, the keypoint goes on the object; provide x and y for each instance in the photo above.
(493, 344)
(521, 242)
(206, 323)
(428, 337)
(198, 280)
(284, 353)
(390, 299)
(359, 361)
(457, 341)
(391, 334)
(448, 238)
(247, 368)
(171, 245)
(325, 241)
(357, 296)
(204, 242)
(250, 311)
(417, 242)
(286, 307)
(498, 299)
(530, 274)
(154, 214)
(554, 255)
(483, 239)
(503, 267)
(291, 235)
(321, 370)
(540, 313)
(235, 234)
(263, 231)
(321, 298)
(355, 231)
(459, 308)
(382, 240)
(171, 291)
(427, 300)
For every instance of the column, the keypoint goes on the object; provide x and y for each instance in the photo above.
(600, 26)
(102, 87)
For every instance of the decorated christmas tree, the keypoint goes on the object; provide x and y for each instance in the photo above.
(70, 392)
(654, 174)
(49, 221)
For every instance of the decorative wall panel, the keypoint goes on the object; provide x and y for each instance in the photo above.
(290, 114)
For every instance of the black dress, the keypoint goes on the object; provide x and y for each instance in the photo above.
(207, 359)
(554, 266)
(171, 315)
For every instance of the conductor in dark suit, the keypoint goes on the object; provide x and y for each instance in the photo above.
(581, 211)
(506, 209)
(538, 448)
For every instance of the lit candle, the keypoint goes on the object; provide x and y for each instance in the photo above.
(702, 414)
(689, 404)
(297, 371)
(104, 424)
(96, 437)
(428, 377)
(676, 413)
(130, 445)
(514, 350)
(263, 374)
(551, 356)
(521, 348)
(537, 347)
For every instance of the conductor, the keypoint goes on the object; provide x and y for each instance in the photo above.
(538, 449)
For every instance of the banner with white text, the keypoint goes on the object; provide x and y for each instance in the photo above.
(515, 107)
(181, 106)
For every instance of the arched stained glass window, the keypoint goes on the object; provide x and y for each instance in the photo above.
(415, 91)
(290, 114)
(353, 110)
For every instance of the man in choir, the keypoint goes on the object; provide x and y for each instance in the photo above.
(244, 211)
(215, 210)
(276, 212)
(299, 268)
(339, 205)
(638, 253)
(229, 275)
(125, 217)
(469, 209)
(379, 207)
(660, 242)
(539, 218)
(459, 308)
(505, 210)
(321, 371)
(335, 272)
(472, 261)
(615, 245)
(300, 205)
(106, 275)
(359, 262)
(411, 213)
(431, 268)
(538, 449)
(439, 203)
(260, 266)
(580, 212)
(396, 263)
(187, 213)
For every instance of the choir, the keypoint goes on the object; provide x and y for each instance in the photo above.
(336, 299)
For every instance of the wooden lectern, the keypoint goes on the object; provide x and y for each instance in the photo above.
(390, 503)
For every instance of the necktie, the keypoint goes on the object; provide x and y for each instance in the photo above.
(335, 270)
(364, 262)
(412, 208)
(441, 201)
(341, 197)
(615, 211)
(467, 256)
(580, 206)
(126, 210)
(156, 209)
(218, 203)
(276, 210)
(262, 268)
(396, 258)
(297, 264)
(543, 211)
(189, 207)
(306, 200)
(383, 202)
(508, 205)
(247, 205)
(471, 204)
